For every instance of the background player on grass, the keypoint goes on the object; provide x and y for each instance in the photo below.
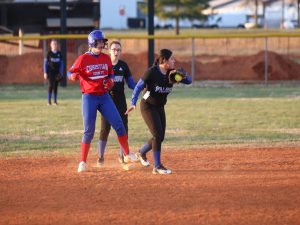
(53, 70)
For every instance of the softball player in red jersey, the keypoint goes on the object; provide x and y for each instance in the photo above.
(157, 87)
(95, 73)
(122, 73)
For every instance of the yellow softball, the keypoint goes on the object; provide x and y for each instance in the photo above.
(178, 77)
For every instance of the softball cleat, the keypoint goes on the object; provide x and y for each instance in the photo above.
(121, 159)
(100, 162)
(127, 166)
(82, 167)
(161, 170)
(143, 159)
(130, 158)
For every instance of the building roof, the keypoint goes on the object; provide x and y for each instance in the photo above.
(43, 1)
(221, 3)
(230, 6)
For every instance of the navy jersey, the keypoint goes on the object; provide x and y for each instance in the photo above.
(54, 62)
(157, 86)
(122, 73)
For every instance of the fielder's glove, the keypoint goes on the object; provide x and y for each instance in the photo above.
(177, 75)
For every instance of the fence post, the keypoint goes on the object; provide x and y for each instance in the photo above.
(266, 61)
(193, 60)
(21, 43)
(63, 42)
(44, 55)
(288, 46)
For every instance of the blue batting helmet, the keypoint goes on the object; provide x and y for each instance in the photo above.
(94, 36)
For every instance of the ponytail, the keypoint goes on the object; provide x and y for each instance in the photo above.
(164, 54)
(156, 62)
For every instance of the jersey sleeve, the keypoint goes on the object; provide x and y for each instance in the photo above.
(127, 72)
(45, 65)
(136, 92)
(128, 77)
(46, 60)
(110, 68)
(130, 82)
(77, 66)
(146, 76)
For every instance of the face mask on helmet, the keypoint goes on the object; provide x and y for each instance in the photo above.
(96, 37)
(103, 43)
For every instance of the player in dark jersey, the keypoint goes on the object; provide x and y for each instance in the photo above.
(94, 71)
(53, 69)
(157, 87)
(122, 73)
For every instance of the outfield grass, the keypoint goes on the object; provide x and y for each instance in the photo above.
(195, 117)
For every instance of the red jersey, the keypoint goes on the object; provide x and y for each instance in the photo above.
(92, 70)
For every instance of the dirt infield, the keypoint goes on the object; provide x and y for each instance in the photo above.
(209, 186)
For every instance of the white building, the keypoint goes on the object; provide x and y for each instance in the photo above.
(270, 13)
(115, 13)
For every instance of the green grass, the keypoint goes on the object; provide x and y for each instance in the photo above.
(195, 117)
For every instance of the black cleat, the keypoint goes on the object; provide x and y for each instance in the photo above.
(100, 161)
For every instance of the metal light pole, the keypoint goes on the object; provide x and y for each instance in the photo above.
(282, 16)
(256, 13)
(298, 3)
(99, 14)
(150, 32)
(63, 42)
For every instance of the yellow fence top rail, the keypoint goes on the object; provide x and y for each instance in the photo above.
(199, 34)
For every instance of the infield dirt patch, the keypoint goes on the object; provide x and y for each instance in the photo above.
(208, 186)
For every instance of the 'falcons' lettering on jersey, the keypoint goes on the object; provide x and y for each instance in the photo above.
(163, 89)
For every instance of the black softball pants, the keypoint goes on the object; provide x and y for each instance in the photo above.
(120, 102)
(155, 118)
(52, 84)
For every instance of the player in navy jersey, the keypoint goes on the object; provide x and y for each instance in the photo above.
(156, 85)
(94, 71)
(122, 73)
(53, 70)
